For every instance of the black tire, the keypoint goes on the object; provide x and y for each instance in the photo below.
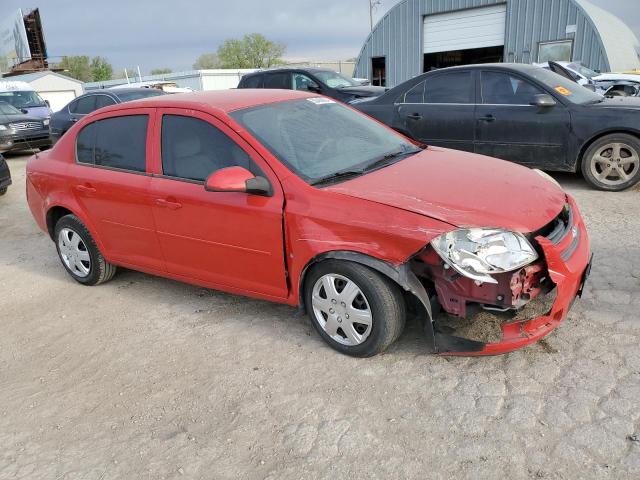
(99, 270)
(3, 191)
(385, 303)
(591, 168)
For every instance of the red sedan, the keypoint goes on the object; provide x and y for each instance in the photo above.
(295, 198)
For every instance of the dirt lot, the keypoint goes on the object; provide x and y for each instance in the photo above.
(149, 378)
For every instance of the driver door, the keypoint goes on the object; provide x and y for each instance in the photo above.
(231, 241)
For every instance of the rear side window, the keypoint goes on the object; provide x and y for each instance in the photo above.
(84, 105)
(118, 142)
(254, 81)
(280, 81)
(454, 87)
(103, 101)
(193, 149)
(416, 94)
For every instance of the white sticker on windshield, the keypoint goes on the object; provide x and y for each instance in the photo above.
(320, 100)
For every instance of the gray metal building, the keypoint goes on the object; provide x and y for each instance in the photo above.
(418, 35)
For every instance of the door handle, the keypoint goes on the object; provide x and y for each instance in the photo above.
(487, 118)
(74, 120)
(414, 116)
(161, 202)
(85, 189)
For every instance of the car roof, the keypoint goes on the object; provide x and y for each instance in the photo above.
(222, 100)
(514, 67)
(289, 69)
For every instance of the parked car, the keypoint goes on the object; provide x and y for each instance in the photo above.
(620, 84)
(22, 132)
(85, 104)
(23, 97)
(5, 176)
(520, 113)
(316, 80)
(575, 71)
(608, 84)
(298, 199)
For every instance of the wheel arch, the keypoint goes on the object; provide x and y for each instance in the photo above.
(53, 215)
(587, 144)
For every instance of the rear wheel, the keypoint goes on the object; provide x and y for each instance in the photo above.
(3, 191)
(356, 310)
(79, 253)
(612, 163)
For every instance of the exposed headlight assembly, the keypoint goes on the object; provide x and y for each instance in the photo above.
(478, 253)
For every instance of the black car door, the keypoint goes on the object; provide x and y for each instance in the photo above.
(440, 110)
(510, 127)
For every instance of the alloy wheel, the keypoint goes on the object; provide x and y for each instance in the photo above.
(341, 309)
(615, 163)
(74, 253)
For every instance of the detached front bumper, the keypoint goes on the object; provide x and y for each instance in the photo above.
(568, 259)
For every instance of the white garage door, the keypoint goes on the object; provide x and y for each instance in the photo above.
(464, 30)
(58, 99)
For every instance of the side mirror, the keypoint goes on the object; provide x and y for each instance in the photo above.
(24, 110)
(47, 103)
(237, 179)
(543, 101)
(314, 88)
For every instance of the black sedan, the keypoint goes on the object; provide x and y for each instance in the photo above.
(5, 176)
(316, 80)
(22, 132)
(520, 113)
(85, 104)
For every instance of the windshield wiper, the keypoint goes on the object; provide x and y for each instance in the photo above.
(386, 159)
(338, 176)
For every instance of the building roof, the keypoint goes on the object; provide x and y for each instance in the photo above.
(30, 77)
(619, 41)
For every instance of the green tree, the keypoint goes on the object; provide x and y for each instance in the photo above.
(253, 51)
(77, 67)
(161, 71)
(206, 61)
(101, 69)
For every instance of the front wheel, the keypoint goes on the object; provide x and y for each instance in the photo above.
(356, 310)
(79, 253)
(612, 163)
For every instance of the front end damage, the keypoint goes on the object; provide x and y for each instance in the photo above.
(521, 308)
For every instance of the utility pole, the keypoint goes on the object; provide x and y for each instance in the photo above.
(373, 4)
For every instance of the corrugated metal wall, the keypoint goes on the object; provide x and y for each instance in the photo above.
(398, 36)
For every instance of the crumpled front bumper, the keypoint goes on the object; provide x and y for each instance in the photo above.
(569, 265)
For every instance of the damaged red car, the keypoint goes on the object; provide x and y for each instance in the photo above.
(295, 198)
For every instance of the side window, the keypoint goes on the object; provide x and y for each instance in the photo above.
(503, 89)
(280, 81)
(454, 87)
(193, 149)
(85, 105)
(304, 83)
(416, 94)
(254, 81)
(103, 101)
(73, 106)
(118, 142)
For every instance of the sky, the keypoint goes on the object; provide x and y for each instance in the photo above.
(172, 34)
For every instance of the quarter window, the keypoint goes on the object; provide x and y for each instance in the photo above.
(416, 94)
(503, 89)
(193, 149)
(454, 87)
(118, 142)
(103, 101)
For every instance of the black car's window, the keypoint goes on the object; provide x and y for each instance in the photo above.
(139, 94)
(456, 87)
(303, 82)
(278, 80)
(254, 81)
(118, 142)
(84, 105)
(503, 89)
(104, 101)
(193, 149)
(416, 94)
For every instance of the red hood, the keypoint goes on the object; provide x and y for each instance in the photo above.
(463, 189)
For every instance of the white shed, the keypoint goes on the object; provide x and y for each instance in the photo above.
(56, 88)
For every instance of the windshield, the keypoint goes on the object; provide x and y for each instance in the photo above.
(22, 99)
(572, 91)
(582, 70)
(335, 79)
(318, 138)
(6, 109)
(137, 95)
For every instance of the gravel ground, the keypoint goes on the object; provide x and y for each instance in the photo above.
(149, 378)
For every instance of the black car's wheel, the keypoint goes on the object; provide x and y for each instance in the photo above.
(612, 163)
(3, 191)
(79, 254)
(356, 310)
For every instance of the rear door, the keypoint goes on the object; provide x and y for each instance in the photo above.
(440, 110)
(231, 240)
(511, 128)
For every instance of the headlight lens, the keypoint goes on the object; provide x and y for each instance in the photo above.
(547, 176)
(45, 122)
(477, 253)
